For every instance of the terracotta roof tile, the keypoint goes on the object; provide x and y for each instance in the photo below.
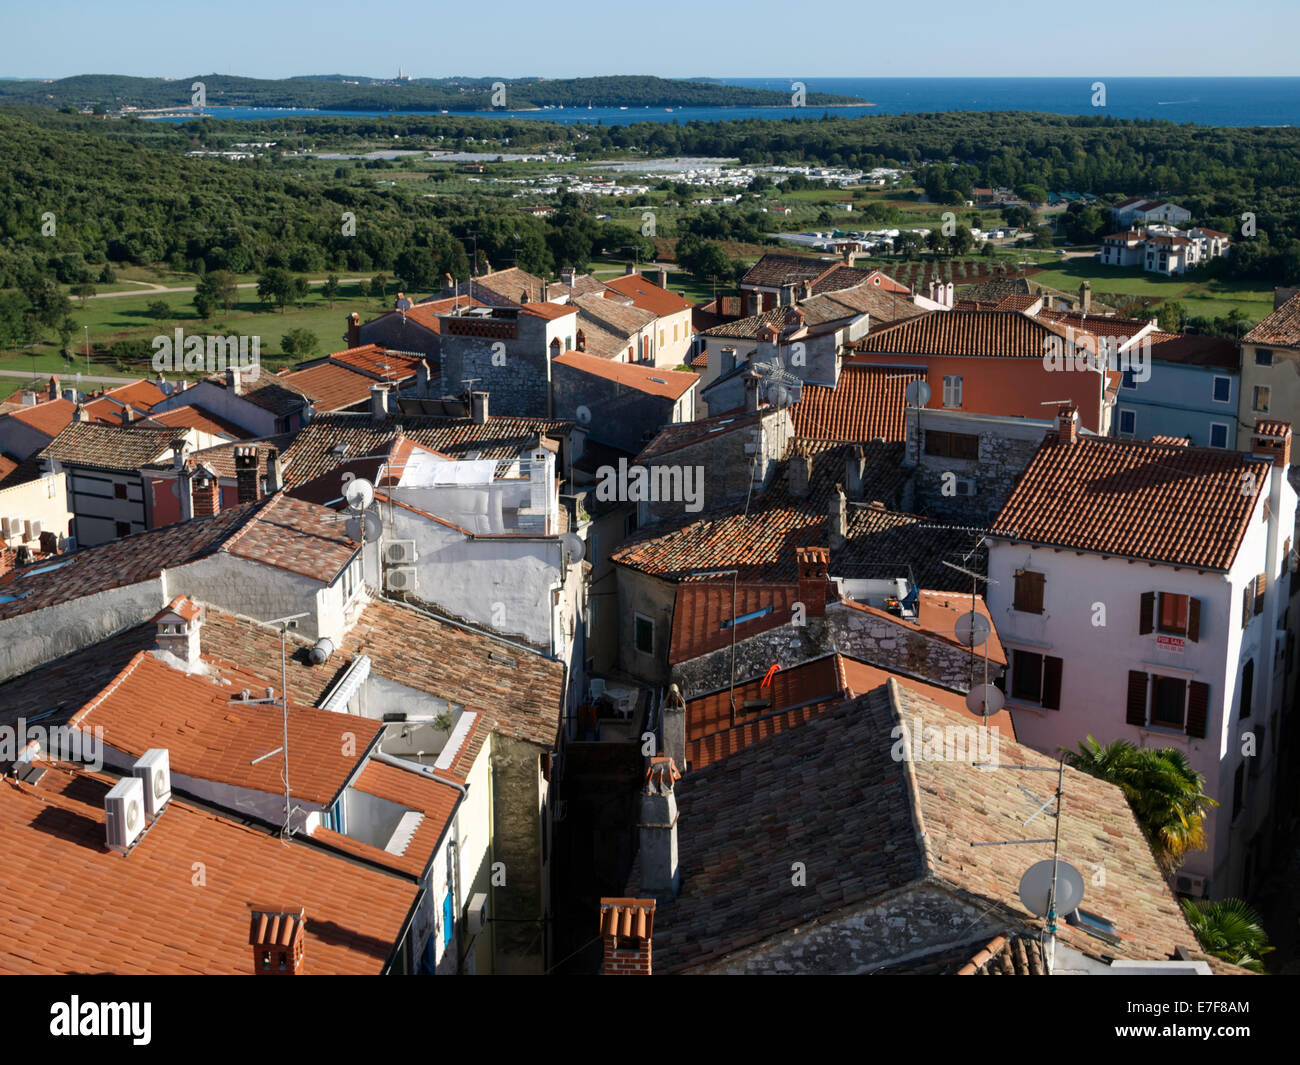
(665, 384)
(330, 386)
(649, 296)
(1161, 503)
(112, 447)
(192, 416)
(1282, 327)
(985, 334)
(865, 404)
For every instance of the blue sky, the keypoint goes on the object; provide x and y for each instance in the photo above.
(671, 38)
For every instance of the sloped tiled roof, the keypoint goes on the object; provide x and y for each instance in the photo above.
(648, 296)
(1161, 503)
(54, 863)
(383, 364)
(614, 316)
(297, 536)
(330, 386)
(986, 334)
(192, 416)
(774, 270)
(750, 327)
(1282, 327)
(111, 447)
(867, 402)
(683, 434)
(665, 384)
(829, 794)
(702, 608)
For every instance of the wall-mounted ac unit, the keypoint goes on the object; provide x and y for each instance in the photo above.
(399, 552)
(400, 579)
(11, 527)
(154, 770)
(1192, 886)
(476, 914)
(124, 812)
(965, 486)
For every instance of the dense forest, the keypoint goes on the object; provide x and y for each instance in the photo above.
(355, 93)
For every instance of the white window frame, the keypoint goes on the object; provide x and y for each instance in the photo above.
(1130, 433)
(1219, 425)
(1217, 379)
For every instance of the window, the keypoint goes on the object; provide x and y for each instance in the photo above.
(1261, 398)
(1029, 592)
(1171, 613)
(1036, 678)
(447, 922)
(1222, 389)
(1261, 582)
(1129, 379)
(123, 528)
(1238, 790)
(1127, 422)
(952, 391)
(1247, 690)
(119, 491)
(1247, 603)
(1175, 703)
(952, 445)
(1263, 357)
(1218, 434)
(644, 633)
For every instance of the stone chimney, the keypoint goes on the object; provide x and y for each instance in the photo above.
(70, 394)
(246, 486)
(81, 414)
(1067, 424)
(855, 467)
(274, 471)
(837, 515)
(658, 827)
(799, 474)
(127, 414)
(379, 402)
(277, 940)
(1272, 439)
(567, 275)
(177, 629)
(353, 334)
(675, 726)
(1085, 297)
(814, 575)
(727, 363)
(751, 392)
(786, 297)
(627, 927)
(805, 290)
(233, 381)
(629, 268)
(661, 277)
(205, 491)
(478, 408)
(54, 387)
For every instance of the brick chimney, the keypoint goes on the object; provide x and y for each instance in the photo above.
(661, 278)
(814, 575)
(837, 517)
(805, 290)
(627, 927)
(674, 720)
(353, 334)
(205, 491)
(54, 386)
(1085, 297)
(658, 827)
(1067, 424)
(277, 941)
(478, 407)
(246, 487)
(1272, 439)
(177, 629)
(799, 473)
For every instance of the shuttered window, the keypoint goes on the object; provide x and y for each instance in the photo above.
(1036, 678)
(1136, 708)
(1170, 612)
(1261, 582)
(1029, 592)
(1198, 708)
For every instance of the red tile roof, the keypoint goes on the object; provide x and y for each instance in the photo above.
(1282, 327)
(297, 536)
(986, 334)
(866, 403)
(112, 447)
(666, 384)
(702, 607)
(380, 363)
(138, 916)
(649, 296)
(193, 416)
(1178, 505)
(549, 311)
(330, 386)
(49, 417)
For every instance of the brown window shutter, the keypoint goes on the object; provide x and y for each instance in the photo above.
(1193, 619)
(1198, 708)
(1260, 581)
(1148, 613)
(1246, 604)
(1051, 683)
(1137, 698)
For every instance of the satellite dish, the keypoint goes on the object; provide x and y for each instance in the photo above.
(917, 394)
(984, 700)
(359, 493)
(973, 629)
(574, 546)
(364, 528)
(584, 415)
(1036, 887)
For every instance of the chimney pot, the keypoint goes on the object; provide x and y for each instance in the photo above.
(354, 330)
(246, 487)
(233, 381)
(627, 928)
(661, 278)
(658, 827)
(814, 575)
(277, 940)
(478, 406)
(1067, 424)
(1272, 439)
(837, 518)
(379, 401)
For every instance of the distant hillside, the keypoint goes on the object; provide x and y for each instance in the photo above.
(349, 93)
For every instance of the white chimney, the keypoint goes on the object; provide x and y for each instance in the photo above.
(658, 828)
(379, 401)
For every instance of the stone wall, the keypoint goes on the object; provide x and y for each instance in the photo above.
(518, 905)
(621, 417)
(517, 375)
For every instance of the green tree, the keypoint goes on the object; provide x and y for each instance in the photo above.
(300, 290)
(67, 327)
(330, 290)
(379, 286)
(220, 287)
(1167, 796)
(204, 304)
(159, 309)
(299, 343)
(363, 287)
(1171, 316)
(275, 287)
(83, 291)
(1229, 930)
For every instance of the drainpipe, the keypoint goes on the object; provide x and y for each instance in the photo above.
(402, 763)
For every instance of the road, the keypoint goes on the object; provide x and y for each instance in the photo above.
(150, 288)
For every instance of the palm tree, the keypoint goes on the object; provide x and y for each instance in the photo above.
(1229, 930)
(1167, 796)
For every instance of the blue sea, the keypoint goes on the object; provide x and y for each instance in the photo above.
(1204, 101)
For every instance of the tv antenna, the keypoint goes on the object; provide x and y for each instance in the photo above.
(915, 396)
(775, 379)
(282, 701)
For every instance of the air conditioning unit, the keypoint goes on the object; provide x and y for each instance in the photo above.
(476, 914)
(1192, 886)
(124, 812)
(154, 770)
(965, 486)
(399, 552)
(11, 527)
(31, 530)
(400, 579)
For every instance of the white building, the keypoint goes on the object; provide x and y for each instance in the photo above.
(1140, 591)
